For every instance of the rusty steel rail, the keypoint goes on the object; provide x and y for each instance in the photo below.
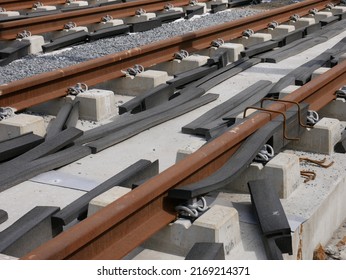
(49, 23)
(26, 4)
(123, 225)
(44, 87)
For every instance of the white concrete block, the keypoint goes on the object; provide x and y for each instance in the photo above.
(254, 39)
(106, 198)
(44, 8)
(77, 4)
(188, 63)
(139, 18)
(281, 30)
(36, 43)
(65, 32)
(287, 91)
(320, 139)
(282, 172)
(96, 104)
(21, 124)
(189, 149)
(111, 23)
(233, 50)
(9, 14)
(218, 224)
(148, 254)
(338, 10)
(319, 72)
(135, 85)
(322, 15)
(303, 22)
(335, 109)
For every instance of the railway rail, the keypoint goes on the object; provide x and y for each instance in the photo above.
(38, 89)
(117, 229)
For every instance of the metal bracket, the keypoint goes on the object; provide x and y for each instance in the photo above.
(309, 175)
(181, 54)
(135, 70)
(320, 163)
(168, 7)
(23, 34)
(313, 11)
(106, 18)
(217, 43)
(5, 112)
(77, 89)
(276, 112)
(140, 12)
(291, 102)
(70, 25)
(272, 25)
(192, 209)
(265, 154)
(294, 17)
(247, 33)
(37, 5)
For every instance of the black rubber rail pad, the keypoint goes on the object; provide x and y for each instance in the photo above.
(272, 218)
(50, 146)
(109, 32)
(340, 147)
(236, 3)
(290, 37)
(194, 11)
(73, 117)
(135, 128)
(20, 238)
(26, 170)
(304, 72)
(147, 100)
(125, 120)
(329, 20)
(331, 30)
(3, 216)
(66, 41)
(239, 161)
(292, 49)
(226, 107)
(206, 251)
(16, 146)
(58, 124)
(190, 76)
(79, 208)
(217, 77)
(15, 50)
(218, 7)
(145, 25)
(260, 48)
(169, 16)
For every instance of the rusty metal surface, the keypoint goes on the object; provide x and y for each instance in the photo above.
(111, 233)
(39, 25)
(26, 4)
(43, 87)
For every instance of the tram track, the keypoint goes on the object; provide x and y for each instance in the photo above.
(119, 228)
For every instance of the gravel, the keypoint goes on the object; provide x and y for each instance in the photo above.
(40, 63)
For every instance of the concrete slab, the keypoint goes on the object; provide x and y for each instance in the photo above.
(77, 4)
(188, 63)
(281, 30)
(106, 198)
(142, 82)
(21, 124)
(282, 172)
(335, 109)
(96, 104)
(319, 72)
(147, 254)
(254, 39)
(111, 23)
(218, 224)
(233, 50)
(287, 91)
(338, 10)
(6, 257)
(139, 18)
(36, 43)
(44, 8)
(64, 32)
(322, 138)
(189, 149)
(322, 15)
(303, 22)
(9, 14)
